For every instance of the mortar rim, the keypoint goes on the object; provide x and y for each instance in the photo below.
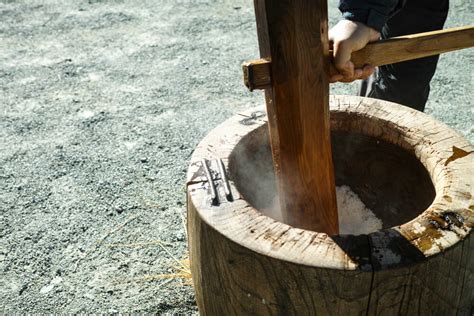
(427, 232)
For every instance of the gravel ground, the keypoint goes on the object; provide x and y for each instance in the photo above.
(101, 105)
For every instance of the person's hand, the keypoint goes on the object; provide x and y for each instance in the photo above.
(346, 37)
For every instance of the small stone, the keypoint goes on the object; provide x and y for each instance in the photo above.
(47, 288)
(22, 289)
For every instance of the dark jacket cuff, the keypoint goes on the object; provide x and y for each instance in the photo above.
(371, 18)
(373, 13)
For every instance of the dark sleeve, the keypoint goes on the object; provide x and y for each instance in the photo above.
(373, 13)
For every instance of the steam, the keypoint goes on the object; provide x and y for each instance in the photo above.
(251, 168)
(354, 217)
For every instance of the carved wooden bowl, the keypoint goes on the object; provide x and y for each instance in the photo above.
(415, 173)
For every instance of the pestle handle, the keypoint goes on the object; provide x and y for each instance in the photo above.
(408, 47)
(257, 73)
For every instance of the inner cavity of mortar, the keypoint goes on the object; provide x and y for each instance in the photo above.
(388, 179)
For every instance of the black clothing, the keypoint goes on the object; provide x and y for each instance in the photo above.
(373, 13)
(407, 83)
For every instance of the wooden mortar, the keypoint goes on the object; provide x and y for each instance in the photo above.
(414, 172)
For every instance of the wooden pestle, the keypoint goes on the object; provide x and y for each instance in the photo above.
(292, 72)
(293, 33)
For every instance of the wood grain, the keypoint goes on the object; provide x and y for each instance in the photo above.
(414, 46)
(441, 285)
(293, 34)
(379, 53)
(257, 74)
(246, 263)
(230, 279)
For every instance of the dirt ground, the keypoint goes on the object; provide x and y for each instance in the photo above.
(101, 105)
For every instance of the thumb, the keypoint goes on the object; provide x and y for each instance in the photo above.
(342, 58)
